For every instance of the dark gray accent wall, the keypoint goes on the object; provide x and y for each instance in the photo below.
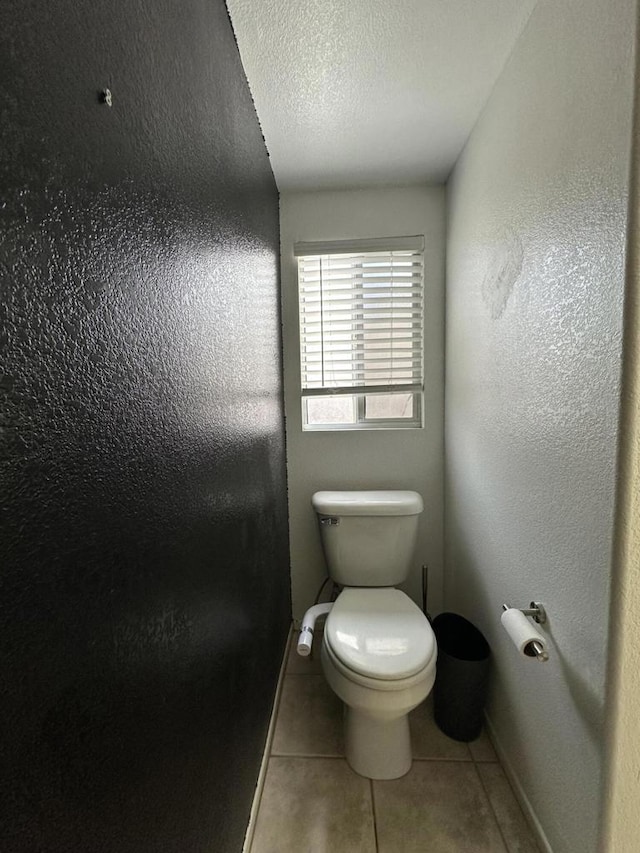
(144, 591)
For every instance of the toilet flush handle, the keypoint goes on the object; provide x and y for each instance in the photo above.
(329, 521)
(305, 640)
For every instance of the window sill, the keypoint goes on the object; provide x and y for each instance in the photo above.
(366, 427)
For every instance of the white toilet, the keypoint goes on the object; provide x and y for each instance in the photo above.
(379, 652)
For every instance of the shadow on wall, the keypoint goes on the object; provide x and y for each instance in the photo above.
(477, 602)
(588, 703)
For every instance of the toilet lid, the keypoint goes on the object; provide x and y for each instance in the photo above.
(379, 633)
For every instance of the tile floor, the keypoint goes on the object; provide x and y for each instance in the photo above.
(455, 799)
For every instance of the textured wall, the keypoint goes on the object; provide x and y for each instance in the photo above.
(144, 597)
(364, 459)
(534, 302)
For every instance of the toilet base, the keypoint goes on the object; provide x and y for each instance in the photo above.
(377, 749)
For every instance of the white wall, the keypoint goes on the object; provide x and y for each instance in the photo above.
(408, 459)
(535, 268)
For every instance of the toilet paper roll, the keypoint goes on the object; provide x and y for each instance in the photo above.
(522, 631)
(305, 641)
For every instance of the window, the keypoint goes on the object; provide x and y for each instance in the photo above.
(361, 333)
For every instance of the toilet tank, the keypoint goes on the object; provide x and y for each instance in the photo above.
(368, 538)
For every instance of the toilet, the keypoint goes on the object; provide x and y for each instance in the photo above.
(379, 651)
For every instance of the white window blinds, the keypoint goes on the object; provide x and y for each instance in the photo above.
(361, 317)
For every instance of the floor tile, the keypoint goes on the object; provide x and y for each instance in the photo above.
(309, 718)
(314, 805)
(482, 748)
(515, 829)
(297, 665)
(439, 807)
(427, 741)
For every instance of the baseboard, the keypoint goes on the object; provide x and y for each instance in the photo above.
(251, 826)
(518, 790)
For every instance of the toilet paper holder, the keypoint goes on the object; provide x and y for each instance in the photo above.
(537, 612)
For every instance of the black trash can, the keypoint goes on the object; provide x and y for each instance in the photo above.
(462, 670)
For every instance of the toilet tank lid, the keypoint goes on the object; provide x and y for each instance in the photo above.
(389, 502)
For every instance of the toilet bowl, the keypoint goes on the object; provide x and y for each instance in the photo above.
(378, 656)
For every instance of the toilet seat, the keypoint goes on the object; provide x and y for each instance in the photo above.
(379, 637)
(380, 685)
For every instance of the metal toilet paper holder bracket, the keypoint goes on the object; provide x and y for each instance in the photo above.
(537, 612)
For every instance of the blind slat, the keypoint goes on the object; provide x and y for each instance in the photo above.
(338, 248)
(342, 357)
(341, 390)
(379, 323)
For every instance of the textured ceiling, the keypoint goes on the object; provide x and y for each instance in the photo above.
(364, 92)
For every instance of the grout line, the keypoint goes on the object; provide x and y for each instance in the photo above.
(442, 758)
(436, 759)
(493, 811)
(375, 820)
(303, 674)
(309, 755)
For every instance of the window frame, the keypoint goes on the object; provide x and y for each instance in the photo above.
(361, 421)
